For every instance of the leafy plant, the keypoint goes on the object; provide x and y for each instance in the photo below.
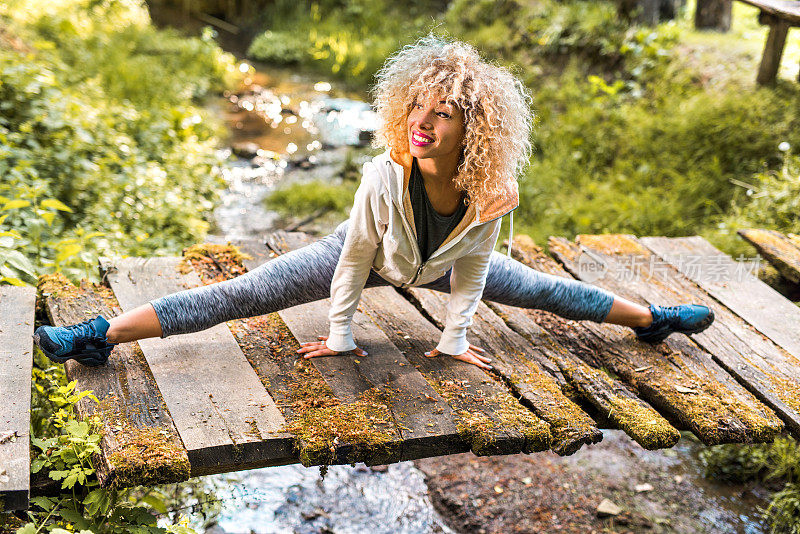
(66, 448)
(348, 40)
(306, 198)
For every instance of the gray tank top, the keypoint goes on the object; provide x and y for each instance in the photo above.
(432, 228)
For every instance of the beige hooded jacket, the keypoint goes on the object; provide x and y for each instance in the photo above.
(381, 236)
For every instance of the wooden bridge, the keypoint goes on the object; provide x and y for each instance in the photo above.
(237, 397)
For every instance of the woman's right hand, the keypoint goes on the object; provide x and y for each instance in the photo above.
(310, 349)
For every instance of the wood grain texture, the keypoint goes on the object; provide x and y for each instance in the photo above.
(522, 366)
(731, 284)
(316, 418)
(765, 369)
(225, 417)
(16, 358)
(139, 444)
(676, 377)
(488, 418)
(613, 401)
(780, 250)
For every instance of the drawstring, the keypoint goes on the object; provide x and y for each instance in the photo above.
(510, 234)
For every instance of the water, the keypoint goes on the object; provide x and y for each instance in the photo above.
(295, 499)
(285, 128)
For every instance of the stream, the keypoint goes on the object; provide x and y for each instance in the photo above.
(286, 128)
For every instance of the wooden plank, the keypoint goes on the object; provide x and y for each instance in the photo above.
(521, 364)
(766, 370)
(489, 419)
(731, 284)
(780, 250)
(424, 420)
(139, 445)
(676, 377)
(611, 399)
(226, 419)
(16, 358)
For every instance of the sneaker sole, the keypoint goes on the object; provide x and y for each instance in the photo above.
(87, 361)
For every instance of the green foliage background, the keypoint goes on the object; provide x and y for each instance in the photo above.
(104, 143)
(628, 138)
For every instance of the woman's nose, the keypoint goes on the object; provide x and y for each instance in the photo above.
(425, 120)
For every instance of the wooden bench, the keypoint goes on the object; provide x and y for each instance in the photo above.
(16, 359)
(779, 15)
(236, 396)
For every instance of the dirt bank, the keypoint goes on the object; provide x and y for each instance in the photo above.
(547, 493)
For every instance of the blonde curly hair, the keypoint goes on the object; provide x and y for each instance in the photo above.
(496, 106)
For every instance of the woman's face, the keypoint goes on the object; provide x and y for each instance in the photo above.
(435, 128)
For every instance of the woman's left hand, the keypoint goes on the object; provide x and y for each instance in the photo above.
(474, 355)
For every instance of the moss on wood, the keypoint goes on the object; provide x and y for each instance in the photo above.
(563, 415)
(141, 455)
(57, 285)
(639, 421)
(482, 432)
(214, 263)
(321, 423)
(613, 244)
(713, 412)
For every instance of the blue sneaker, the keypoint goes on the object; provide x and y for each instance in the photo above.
(686, 319)
(84, 342)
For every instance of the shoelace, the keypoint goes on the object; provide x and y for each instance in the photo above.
(86, 329)
(669, 314)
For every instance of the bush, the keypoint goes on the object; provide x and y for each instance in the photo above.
(547, 34)
(303, 199)
(96, 158)
(664, 167)
(783, 512)
(768, 199)
(349, 40)
(278, 47)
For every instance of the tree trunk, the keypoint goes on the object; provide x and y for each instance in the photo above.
(713, 14)
(649, 12)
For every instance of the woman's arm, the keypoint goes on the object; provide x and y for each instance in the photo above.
(368, 221)
(467, 280)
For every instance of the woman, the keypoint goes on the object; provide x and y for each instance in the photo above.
(427, 213)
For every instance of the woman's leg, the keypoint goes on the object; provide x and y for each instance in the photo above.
(514, 283)
(300, 276)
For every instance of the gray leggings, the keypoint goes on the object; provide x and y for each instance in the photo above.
(304, 275)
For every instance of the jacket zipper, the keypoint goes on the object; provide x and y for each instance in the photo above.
(417, 252)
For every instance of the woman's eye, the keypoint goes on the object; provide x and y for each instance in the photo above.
(443, 114)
